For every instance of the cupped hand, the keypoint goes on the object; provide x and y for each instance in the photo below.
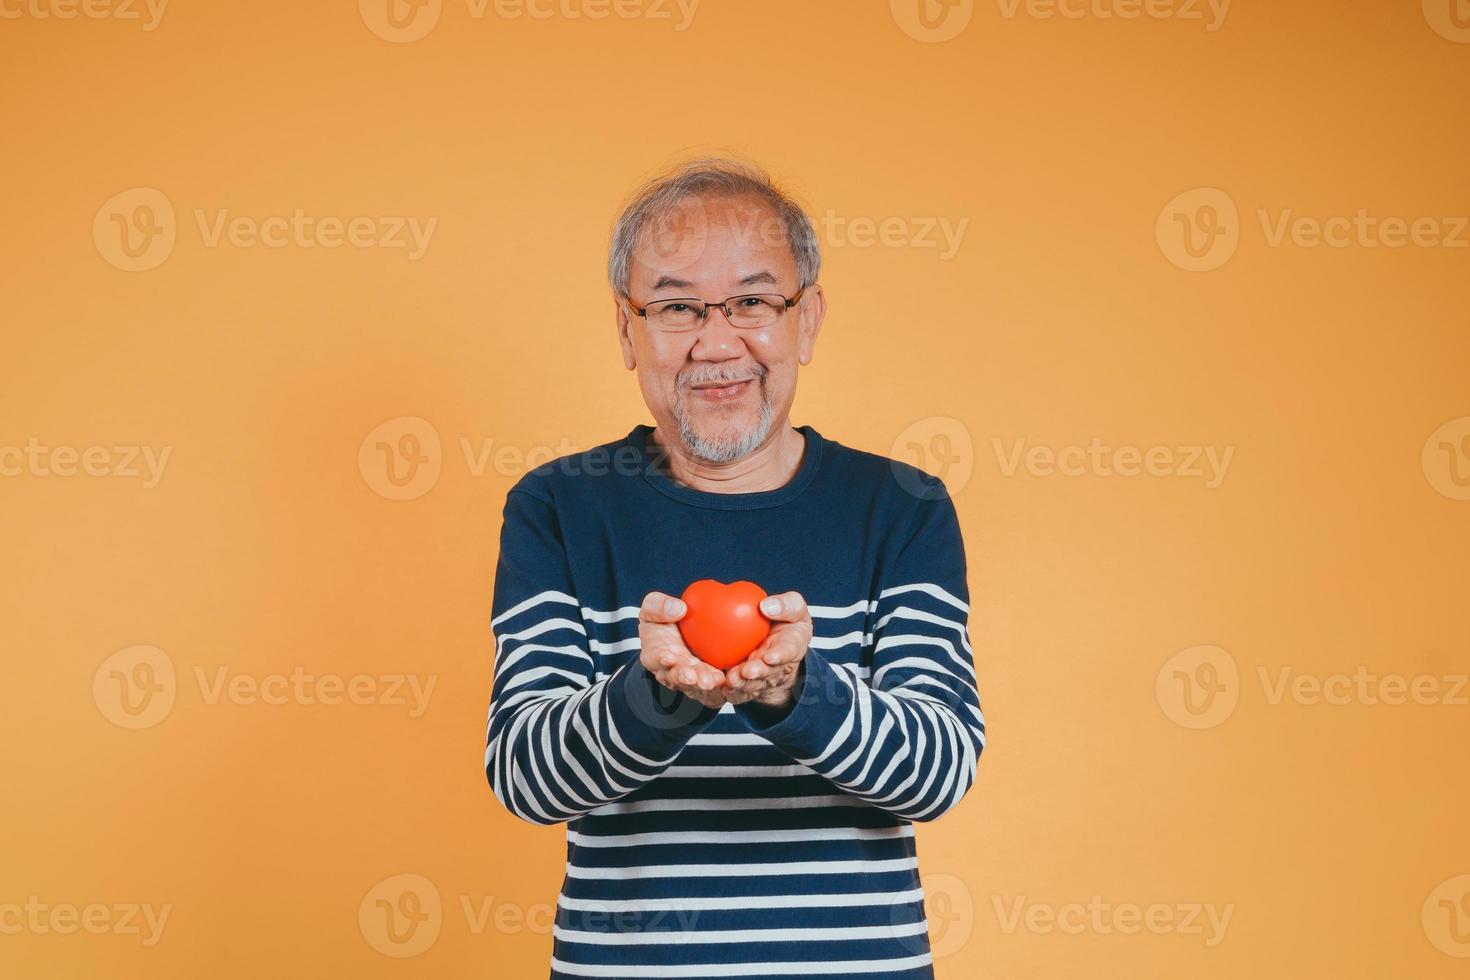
(667, 658)
(768, 676)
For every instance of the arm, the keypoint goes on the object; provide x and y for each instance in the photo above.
(907, 738)
(558, 742)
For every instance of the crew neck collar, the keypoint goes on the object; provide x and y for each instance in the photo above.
(811, 459)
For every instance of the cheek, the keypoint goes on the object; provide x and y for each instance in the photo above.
(664, 362)
(766, 339)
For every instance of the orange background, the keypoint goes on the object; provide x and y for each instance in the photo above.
(1334, 542)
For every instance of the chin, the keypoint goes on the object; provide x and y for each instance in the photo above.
(718, 437)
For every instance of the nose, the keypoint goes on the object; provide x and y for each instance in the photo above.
(717, 339)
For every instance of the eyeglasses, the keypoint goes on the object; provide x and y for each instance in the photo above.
(750, 311)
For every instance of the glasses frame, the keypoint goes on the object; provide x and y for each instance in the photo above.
(723, 304)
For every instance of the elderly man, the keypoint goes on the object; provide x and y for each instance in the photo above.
(753, 821)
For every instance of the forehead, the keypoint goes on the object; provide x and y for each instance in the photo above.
(705, 240)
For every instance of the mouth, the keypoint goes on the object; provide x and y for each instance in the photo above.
(722, 391)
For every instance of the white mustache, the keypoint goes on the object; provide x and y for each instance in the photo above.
(690, 382)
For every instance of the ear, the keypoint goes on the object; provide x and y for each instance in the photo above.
(813, 309)
(625, 327)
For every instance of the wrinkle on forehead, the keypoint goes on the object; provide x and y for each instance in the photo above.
(701, 238)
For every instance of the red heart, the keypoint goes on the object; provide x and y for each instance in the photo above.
(723, 623)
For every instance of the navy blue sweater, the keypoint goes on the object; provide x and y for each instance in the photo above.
(723, 843)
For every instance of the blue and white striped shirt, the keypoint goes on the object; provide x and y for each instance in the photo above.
(703, 842)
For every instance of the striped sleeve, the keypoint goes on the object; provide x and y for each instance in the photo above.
(561, 741)
(906, 738)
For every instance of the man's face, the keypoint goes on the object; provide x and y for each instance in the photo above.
(724, 389)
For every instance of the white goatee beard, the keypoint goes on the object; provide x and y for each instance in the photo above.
(724, 450)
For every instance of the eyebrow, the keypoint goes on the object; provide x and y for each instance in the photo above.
(671, 282)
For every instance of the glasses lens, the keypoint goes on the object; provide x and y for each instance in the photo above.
(675, 314)
(757, 310)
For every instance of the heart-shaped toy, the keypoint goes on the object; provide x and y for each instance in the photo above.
(724, 623)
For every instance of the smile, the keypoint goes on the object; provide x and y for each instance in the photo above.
(725, 392)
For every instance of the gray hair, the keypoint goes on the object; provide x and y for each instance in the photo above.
(711, 177)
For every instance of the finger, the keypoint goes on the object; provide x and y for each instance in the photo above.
(700, 694)
(711, 678)
(713, 699)
(776, 677)
(788, 607)
(754, 668)
(698, 676)
(783, 653)
(659, 607)
(696, 667)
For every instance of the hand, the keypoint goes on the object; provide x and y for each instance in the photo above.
(768, 676)
(668, 659)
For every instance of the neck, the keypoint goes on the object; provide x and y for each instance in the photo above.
(769, 466)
